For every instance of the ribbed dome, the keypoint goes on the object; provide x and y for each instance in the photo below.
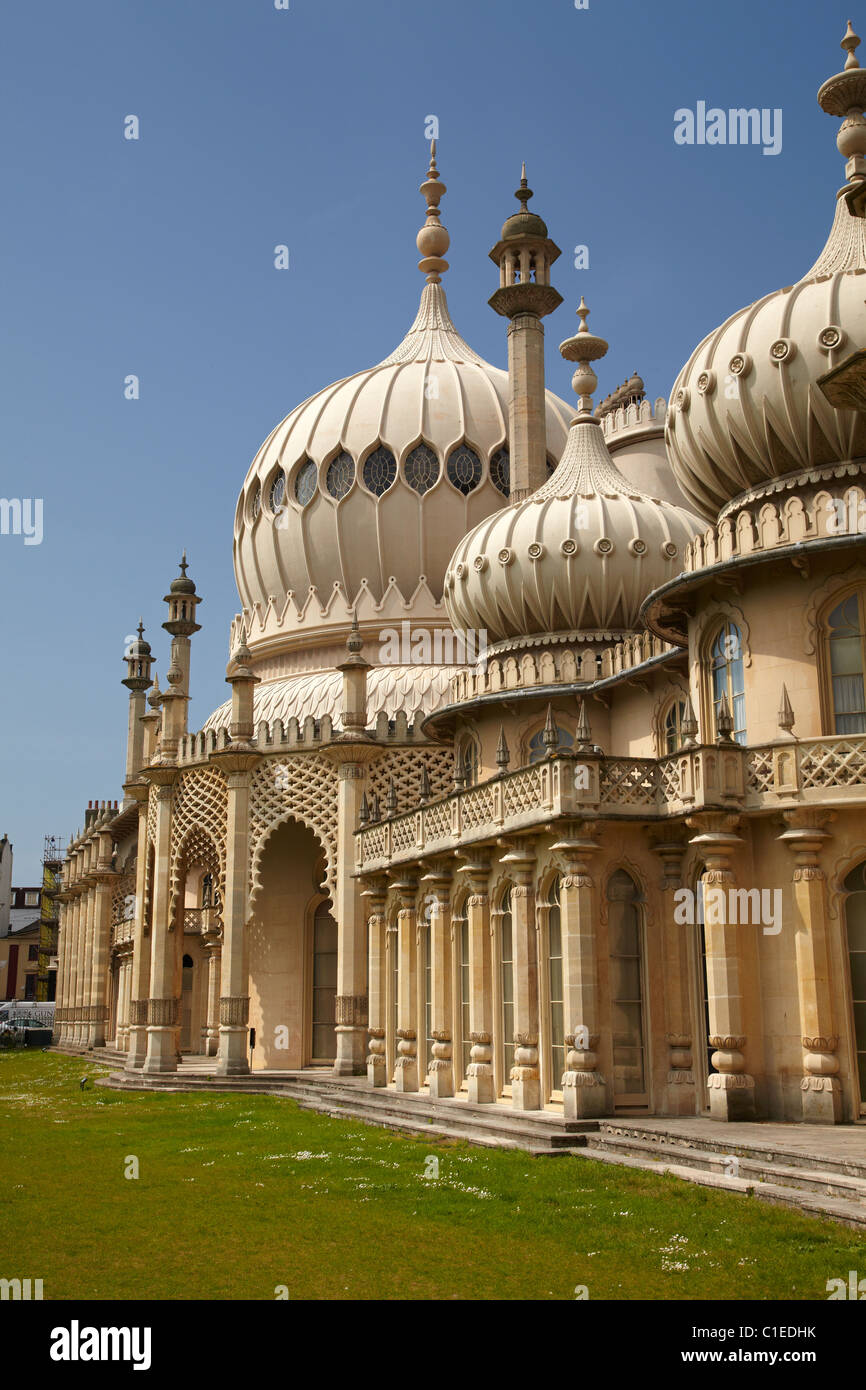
(580, 554)
(377, 476)
(746, 408)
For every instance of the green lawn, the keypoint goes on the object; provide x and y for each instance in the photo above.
(239, 1194)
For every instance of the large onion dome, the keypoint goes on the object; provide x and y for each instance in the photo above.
(364, 489)
(578, 555)
(748, 406)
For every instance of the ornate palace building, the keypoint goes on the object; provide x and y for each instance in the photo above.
(542, 779)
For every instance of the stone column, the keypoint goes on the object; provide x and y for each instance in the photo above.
(139, 967)
(680, 1091)
(163, 1004)
(406, 1074)
(584, 1094)
(438, 884)
(525, 1076)
(66, 990)
(479, 1077)
(731, 1088)
(234, 972)
(85, 978)
(210, 1033)
(101, 978)
(351, 1002)
(375, 895)
(821, 1092)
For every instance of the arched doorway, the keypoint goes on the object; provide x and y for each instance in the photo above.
(292, 954)
(855, 924)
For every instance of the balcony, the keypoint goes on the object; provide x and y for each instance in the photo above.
(199, 920)
(782, 775)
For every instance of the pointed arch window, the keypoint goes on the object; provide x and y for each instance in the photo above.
(506, 983)
(538, 748)
(464, 469)
(340, 475)
(554, 981)
(305, 482)
(846, 662)
(468, 761)
(673, 736)
(500, 471)
(728, 681)
(380, 470)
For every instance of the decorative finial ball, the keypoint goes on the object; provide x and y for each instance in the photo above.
(851, 138)
(584, 380)
(174, 675)
(433, 240)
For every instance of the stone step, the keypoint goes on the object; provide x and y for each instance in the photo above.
(755, 1148)
(849, 1212)
(751, 1169)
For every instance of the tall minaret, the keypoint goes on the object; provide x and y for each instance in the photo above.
(138, 660)
(524, 255)
(182, 601)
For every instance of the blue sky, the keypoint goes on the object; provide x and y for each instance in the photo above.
(306, 127)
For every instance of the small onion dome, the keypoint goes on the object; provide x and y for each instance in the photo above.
(581, 553)
(182, 585)
(748, 406)
(138, 649)
(524, 222)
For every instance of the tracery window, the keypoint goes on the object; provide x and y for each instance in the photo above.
(673, 726)
(256, 504)
(380, 470)
(846, 644)
(506, 981)
(500, 471)
(305, 482)
(340, 475)
(554, 981)
(421, 469)
(464, 469)
(726, 673)
(468, 761)
(538, 749)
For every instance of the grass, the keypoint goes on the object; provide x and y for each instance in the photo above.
(237, 1195)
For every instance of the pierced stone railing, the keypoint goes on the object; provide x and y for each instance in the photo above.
(786, 773)
(280, 736)
(551, 667)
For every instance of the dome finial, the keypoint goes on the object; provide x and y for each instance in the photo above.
(524, 192)
(844, 95)
(433, 239)
(583, 348)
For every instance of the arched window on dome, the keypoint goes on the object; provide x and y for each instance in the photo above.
(672, 727)
(500, 471)
(464, 469)
(538, 749)
(727, 679)
(305, 482)
(380, 470)
(421, 469)
(340, 475)
(845, 657)
(277, 491)
(256, 502)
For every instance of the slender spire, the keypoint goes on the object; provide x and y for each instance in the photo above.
(433, 239)
(524, 192)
